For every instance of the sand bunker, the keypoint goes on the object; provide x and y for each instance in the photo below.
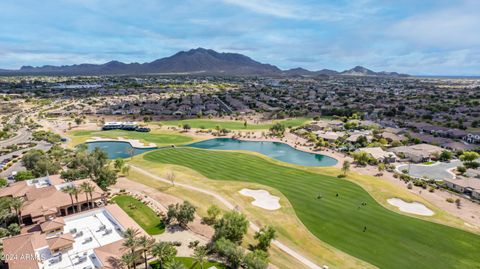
(262, 198)
(413, 208)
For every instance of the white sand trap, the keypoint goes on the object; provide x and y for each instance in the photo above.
(413, 208)
(262, 198)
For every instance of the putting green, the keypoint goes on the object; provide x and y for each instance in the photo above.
(390, 240)
(233, 125)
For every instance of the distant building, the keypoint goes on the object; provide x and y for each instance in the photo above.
(467, 186)
(380, 155)
(417, 153)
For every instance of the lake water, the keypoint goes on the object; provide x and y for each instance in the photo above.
(116, 149)
(275, 150)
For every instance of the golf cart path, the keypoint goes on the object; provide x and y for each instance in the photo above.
(230, 206)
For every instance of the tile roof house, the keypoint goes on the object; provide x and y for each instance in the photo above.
(45, 199)
(417, 153)
(90, 239)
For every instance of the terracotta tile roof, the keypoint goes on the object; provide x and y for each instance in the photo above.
(16, 247)
(109, 255)
(60, 241)
(54, 224)
(15, 189)
(47, 200)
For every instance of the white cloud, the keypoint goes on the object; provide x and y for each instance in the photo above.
(299, 11)
(453, 27)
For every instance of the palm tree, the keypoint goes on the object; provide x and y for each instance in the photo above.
(17, 203)
(70, 191)
(345, 167)
(200, 254)
(164, 251)
(129, 259)
(88, 189)
(175, 264)
(131, 241)
(146, 244)
(75, 192)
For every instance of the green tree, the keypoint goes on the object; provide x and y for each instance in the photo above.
(129, 259)
(228, 249)
(257, 259)
(146, 244)
(70, 190)
(182, 213)
(16, 203)
(78, 121)
(212, 214)
(24, 175)
(381, 167)
(200, 255)
(446, 155)
(3, 182)
(119, 163)
(186, 127)
(277, 129)
(126, 170)
(468, 158)
(232, 226)
(164, 252)
(131, 242)
(264, 237)
(88, 189)
(14, 229)
(345, 167)
(361, 157)
(105, 178)
(175, 264)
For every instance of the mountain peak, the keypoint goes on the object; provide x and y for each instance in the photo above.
(197, 60)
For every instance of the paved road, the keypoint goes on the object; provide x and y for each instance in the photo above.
(437, 171)
(22, 136)
(18, 166)
(229, 205)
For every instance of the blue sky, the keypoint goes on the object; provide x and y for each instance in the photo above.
(435, 37)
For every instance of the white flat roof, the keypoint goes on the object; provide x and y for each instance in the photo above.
(87, 226)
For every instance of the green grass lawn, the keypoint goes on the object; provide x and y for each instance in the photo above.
(391, 240)
(160, 139)
(233, 125)
(191, 264)
(142, 214)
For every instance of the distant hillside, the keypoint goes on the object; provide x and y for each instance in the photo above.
(195, 61)
(362, 71)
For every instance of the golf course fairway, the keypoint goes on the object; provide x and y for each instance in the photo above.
(369, 232)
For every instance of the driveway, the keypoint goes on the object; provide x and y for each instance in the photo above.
(437, 171)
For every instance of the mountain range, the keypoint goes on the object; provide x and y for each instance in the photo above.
(194, 61)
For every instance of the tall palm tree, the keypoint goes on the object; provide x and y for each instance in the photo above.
(146, 244)
(129, 259)
(69, 191)
(88, 189)
(131, 241)
(17, 203)
(200, 254)
(75, 192)
(164, 251)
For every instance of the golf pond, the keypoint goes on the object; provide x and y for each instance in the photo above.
(276, 150)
